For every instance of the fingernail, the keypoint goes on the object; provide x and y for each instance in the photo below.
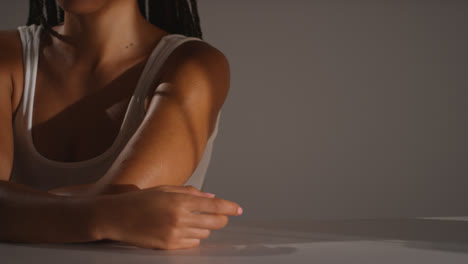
(210, 194)
(239, 211)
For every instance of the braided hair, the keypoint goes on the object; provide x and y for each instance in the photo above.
(173, 16)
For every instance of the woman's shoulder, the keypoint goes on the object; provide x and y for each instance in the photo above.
(198, 55)
(198, 71)
(201, 50)
(11, 62)
(10, 48)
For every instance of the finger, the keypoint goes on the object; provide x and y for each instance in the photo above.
(199, 233)
(192, 190)
(184, 243)
(189, 189)
(207, 221)
(214, 206)
(190, 242)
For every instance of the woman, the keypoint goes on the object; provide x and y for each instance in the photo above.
(113, 103)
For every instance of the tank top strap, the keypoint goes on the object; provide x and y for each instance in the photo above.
(30, 41)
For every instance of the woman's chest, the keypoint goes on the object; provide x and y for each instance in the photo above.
(76, 117)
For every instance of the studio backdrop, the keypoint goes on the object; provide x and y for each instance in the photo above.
(337, 108)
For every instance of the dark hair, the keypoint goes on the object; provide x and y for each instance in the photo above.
(173, 16)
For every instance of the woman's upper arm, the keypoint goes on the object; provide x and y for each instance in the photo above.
(6, 130)
(182, 114)
(10, 56)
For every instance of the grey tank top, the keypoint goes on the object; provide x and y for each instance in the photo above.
(32, 169)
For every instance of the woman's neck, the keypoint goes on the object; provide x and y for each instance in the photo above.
(116, 31)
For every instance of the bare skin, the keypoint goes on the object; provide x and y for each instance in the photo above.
(96, 65)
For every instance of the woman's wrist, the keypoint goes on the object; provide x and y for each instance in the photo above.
(103, 223)
(100, 209)
(84, 211)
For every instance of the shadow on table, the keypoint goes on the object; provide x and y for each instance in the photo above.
(202, 250)
(260, 238)
(431, 234)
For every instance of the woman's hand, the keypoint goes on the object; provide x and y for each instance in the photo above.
(163, 217)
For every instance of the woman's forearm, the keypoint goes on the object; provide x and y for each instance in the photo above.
(162, 217)
(28, 215)
(93, 189)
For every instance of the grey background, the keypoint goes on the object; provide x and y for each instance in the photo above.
(338, 109)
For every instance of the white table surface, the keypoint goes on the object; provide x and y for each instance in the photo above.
(412, 240)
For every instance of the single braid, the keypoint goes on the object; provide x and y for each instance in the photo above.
(35, 12)
(195, 19)
(173, 16)
(51, 12)
(186, 21)
(60, 14)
